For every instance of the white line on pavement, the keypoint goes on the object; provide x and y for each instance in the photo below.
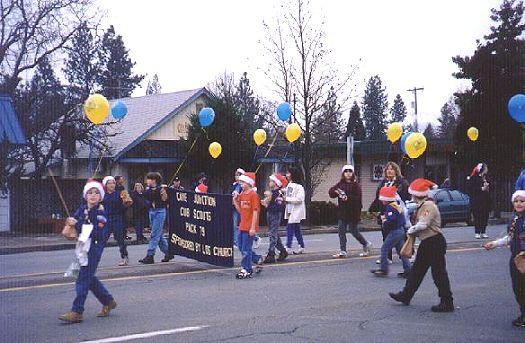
(146, 335)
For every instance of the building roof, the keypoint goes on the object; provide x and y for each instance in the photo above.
(9, 125)
(145, 115)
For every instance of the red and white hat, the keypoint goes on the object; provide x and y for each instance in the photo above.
(519, 193)
(107, 179)
(347, 167)
(93, 184)
(280, 180)
(420, 187)
(240, 171)
(249, 178)
(201, 188)
(388, 193)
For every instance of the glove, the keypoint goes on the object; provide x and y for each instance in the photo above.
(411, 230)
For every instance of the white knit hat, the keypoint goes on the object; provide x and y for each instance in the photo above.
(93, 184)
(106, 179)
(519, 193)
(240, 171)
(347, 167)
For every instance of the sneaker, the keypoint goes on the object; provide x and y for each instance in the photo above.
(477, 236)
(71, 317)
(519, 322)
(443, 306)
(299, 251)
(124, 261)
(366, 250)
(282, 255)
(400, 297)
(379, 272)
(484, 235)
(256, 242)
(341, 254)
(107, 308)
(379, 262)
(243, 274)
(147, 260)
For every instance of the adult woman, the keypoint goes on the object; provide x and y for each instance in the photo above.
(349, 204)
(140, 212)
(478, 189)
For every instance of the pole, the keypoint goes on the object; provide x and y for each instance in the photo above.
(350, 150)
(415, 90)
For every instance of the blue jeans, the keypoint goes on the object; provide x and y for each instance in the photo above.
(87, 281)
(248, 256)
(157, 216)
(236, 220)
(116, 225)
(291, 230)
(274, 221)
(354, 230)
(394, 239)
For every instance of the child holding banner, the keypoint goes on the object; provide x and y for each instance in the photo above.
(248, 205)
(274, 203)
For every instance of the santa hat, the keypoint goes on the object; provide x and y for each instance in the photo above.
(388, 193)
(478, 168)
(249, 178)
(420, 187)
(93, 184)
(519, 193)
(347, 167)
(240, 171)
(279, 180)
(106, 179)
(201, 188)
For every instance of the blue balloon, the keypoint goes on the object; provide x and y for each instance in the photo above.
(206, 116)
(403, 140)
(516, 108)
(119, 110)
(284, 111)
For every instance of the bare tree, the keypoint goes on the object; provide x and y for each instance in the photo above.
(299, 65)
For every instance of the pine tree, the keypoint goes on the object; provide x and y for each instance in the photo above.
(246, 103)
(398, 112)
(375, 105)
(154, 86)
(117, 79)
(355, 126)
(327, 125)
(429, 132)
(448, 120)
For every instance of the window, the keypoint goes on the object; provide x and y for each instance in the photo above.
(377, 172)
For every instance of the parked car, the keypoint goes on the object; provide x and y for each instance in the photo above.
(453, 205)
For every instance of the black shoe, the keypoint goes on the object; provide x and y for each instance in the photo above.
(379, 272)
(400, 297)
(269, 259)
(147, 260)
(519, 322)
(282, 255)
(444, 306)
(167, 258)
(403, 275)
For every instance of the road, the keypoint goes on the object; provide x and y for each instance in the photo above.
(308, 299)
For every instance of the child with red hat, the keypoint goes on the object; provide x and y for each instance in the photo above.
(274, 204)
(248, 205)
(393, 225)
(431, 251)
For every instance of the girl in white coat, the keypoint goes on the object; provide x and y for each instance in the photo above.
(295, 209)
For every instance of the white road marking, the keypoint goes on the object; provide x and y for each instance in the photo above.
(146, 335)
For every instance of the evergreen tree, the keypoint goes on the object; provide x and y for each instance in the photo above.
(497, 72)
(448, 120)
(398, 112)
(154, 86)
(355, 126)
(327, 125)
(117, 79)
(375, 105)
(429, 132)
(246, 103)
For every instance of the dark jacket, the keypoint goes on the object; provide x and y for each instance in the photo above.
(517, 243)
(479, 199)
(97, 216)
(402, 189)
(394, 219)
(113, 204)
(349, 210)
(140, 205)
(153, 198)
(276, 204)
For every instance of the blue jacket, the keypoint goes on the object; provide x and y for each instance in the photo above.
(274, 206)
(96, 216)
(113, 204)
(394, 218)
(517, 245)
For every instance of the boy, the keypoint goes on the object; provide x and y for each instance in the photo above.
(90, 222)
(157, 198)
(275, 207)
(248, 205)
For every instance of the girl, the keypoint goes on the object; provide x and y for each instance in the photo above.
(140, 212)
(91, 217)
(274, 203)
(295, 210)
(516, 239)
(478, 189)
(349, 204)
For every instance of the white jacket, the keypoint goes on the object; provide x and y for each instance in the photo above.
(295, 208)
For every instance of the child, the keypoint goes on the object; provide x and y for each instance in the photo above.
(274, 203)
(295, 209)
(90, 222)
(394, 227)
(235, 190)
(157, 198)
(248, 205)
(348, 194)
(516, 240)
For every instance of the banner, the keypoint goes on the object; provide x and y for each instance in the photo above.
(201, 226)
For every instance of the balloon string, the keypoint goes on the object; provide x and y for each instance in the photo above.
(99, 161)
(186, 158)
(59, 192)
(268, 151)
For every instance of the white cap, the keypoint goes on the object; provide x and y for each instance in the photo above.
(347, 167)
(106, 179)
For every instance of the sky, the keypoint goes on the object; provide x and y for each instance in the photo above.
(408, 43)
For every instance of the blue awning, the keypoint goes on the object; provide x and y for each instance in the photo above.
(9, 126)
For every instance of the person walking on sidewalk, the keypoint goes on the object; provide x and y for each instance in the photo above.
(274, 204)
(515, 238)
(248, 204)
(478, 189)
(349, 205)
(431, 251)
(115, 202)
(295, 209)
(394, 224)
(157, 198)
(140, 212)
(91, 217)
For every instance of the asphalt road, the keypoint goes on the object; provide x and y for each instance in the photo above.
(319, 300)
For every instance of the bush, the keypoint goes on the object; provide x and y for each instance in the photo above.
(322, 213)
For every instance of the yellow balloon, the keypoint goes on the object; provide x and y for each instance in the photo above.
(96, 108)
(293, 132)
(394, 132)
(415, 145)
(215, 149)
(259, 136)
(473, 134)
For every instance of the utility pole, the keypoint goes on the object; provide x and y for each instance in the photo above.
(414, 90)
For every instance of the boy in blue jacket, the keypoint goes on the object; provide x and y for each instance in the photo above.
(274, 204)
(90, 221)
